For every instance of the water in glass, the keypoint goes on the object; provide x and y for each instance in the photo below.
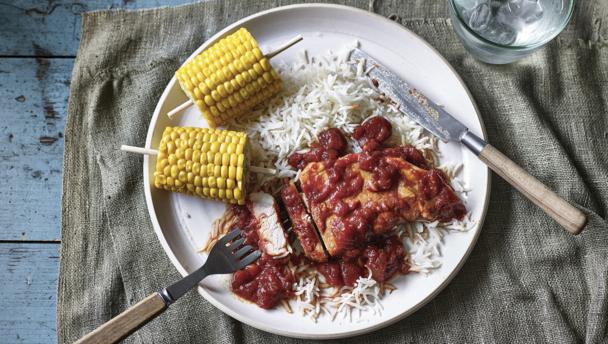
(510, 24)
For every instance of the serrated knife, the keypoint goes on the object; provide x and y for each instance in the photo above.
(440, 123)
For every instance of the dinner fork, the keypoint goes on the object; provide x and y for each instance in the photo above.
(226, 256)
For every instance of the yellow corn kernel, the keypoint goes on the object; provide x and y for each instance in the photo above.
(246, 77)
(162, 163)
(217, 159)
(216, 96)
(221, 90)
(234, 158)
(268, 77)
(257, 68)
(257, 53)
(275, 75)
(214, 111)
(247, 44)
(181, 164)
(239, 173)
(182, 176)
(220, 108)
(239, 149)
(220, 182)
(225, 159)
(196, 152)
(196, 93)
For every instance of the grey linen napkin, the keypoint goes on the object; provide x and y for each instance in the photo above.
(527, 280)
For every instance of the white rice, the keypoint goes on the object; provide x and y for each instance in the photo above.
(326, 91)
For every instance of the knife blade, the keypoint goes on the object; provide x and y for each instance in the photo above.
(416, 105)
(440, 123)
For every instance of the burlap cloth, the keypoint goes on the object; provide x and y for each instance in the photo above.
(527, 280)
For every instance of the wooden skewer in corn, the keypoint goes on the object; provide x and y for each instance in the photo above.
(223, 105)
(154, 152)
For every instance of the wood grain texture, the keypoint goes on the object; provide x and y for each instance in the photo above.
(38, 42)
(126, 322)
(33, 101)
(569, 217)
(52, 28)
(29, 283)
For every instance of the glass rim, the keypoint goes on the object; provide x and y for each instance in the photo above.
(515, 47)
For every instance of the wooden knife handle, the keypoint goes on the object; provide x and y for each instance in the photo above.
(126, 322)
(569, 217)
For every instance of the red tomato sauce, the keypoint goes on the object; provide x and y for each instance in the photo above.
(330, 145)
(267, 281)
(382, 257)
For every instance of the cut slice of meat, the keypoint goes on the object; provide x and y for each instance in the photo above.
(302, 223)
(272, 238)
(369, 193)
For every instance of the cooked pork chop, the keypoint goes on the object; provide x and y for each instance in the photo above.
(302, 223)
(272, 238)
(364, 194)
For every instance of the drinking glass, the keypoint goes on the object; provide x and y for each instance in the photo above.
(504, 31)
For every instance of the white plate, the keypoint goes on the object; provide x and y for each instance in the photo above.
(182, 222)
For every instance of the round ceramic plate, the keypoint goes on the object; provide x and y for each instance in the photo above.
(182, 222)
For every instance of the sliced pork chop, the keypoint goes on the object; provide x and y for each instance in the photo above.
(273, 240)
(361, 195)
(301, 223)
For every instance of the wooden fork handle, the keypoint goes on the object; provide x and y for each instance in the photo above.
(127, 322)
(569, 217)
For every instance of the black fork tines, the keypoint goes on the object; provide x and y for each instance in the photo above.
(249, 259)
(236, 244)
(232, 246)
(242, 251)
(230, 236)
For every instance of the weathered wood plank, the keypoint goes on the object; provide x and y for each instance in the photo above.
(33, 100)
(29, 280)
(52, 28)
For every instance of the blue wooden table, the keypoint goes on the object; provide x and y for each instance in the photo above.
(38, 43)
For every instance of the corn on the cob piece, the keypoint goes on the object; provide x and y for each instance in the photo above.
(229, 78)
(209, 163)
